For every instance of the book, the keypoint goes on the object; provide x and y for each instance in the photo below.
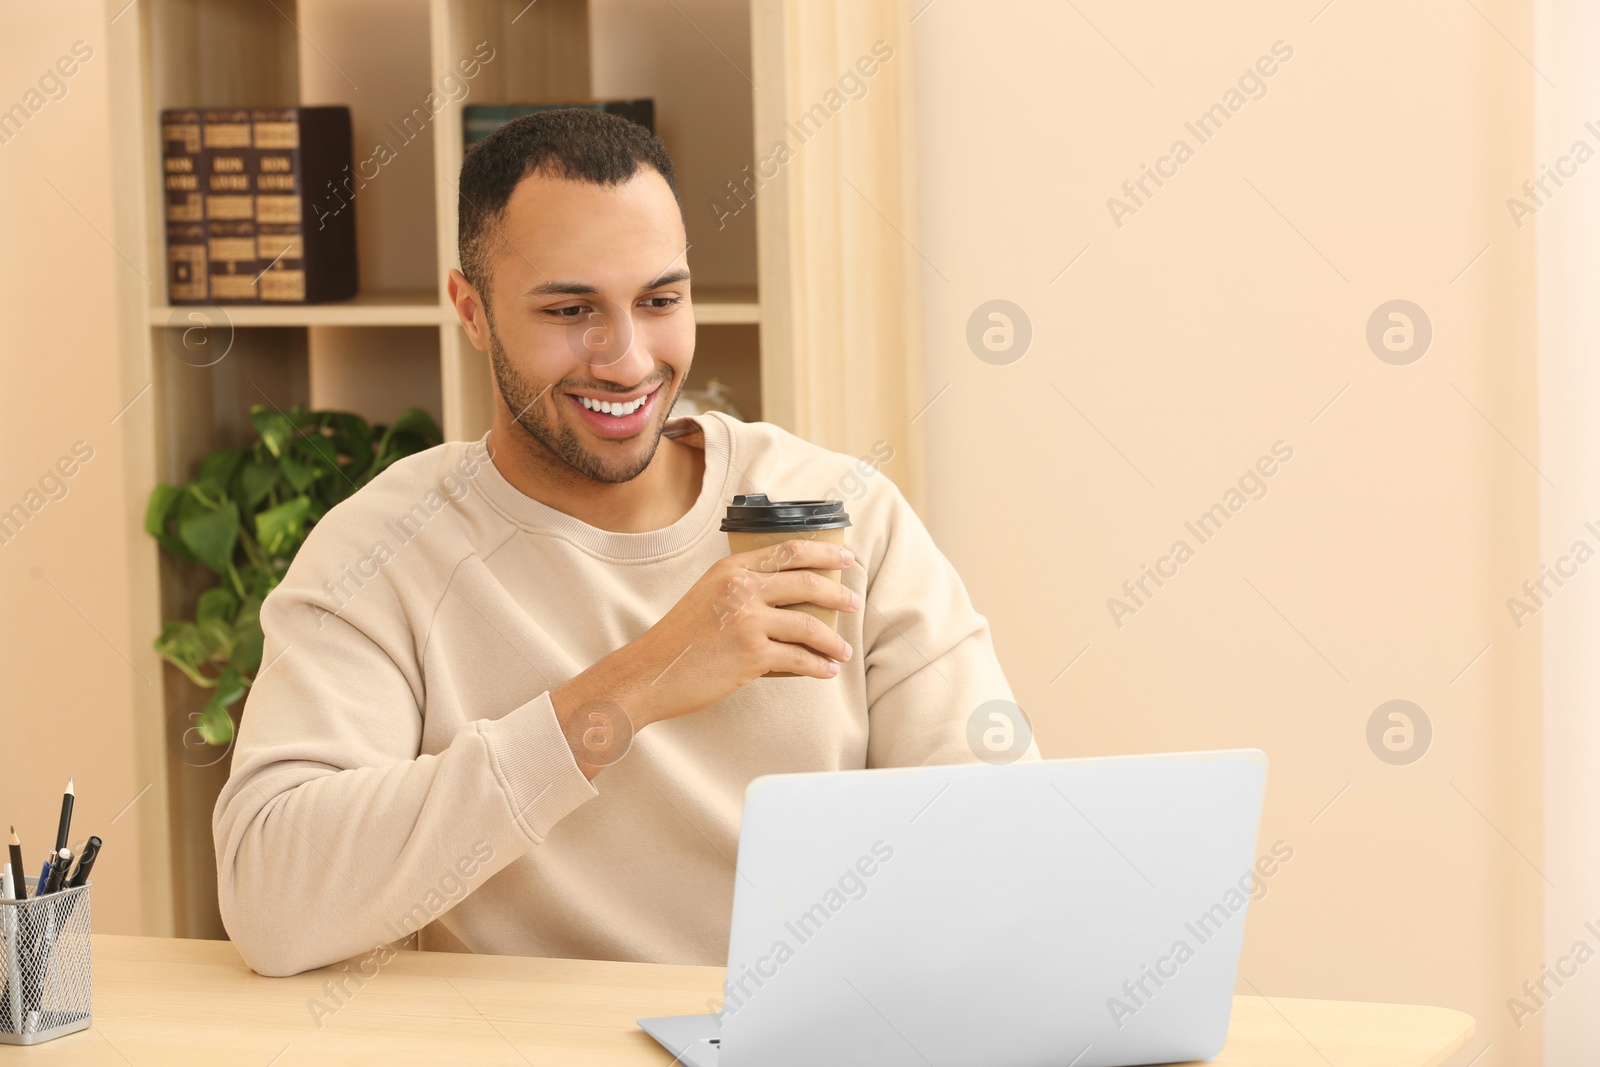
(183, 204)
(305, 229)
(227, 168)
(480, 120)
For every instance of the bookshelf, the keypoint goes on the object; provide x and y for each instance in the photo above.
(396, 308)
(714, 306)
(808, 304)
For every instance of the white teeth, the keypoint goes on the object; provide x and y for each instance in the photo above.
(616, 410)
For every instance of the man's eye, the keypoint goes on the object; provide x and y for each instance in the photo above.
(573, 312)
(662, 301)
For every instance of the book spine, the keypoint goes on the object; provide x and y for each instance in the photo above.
(280, 233)
(306, 210)
(183, 204)
(227, 172)
(480, 120)
(641, 111)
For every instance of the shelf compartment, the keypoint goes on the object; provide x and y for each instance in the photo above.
(719, 306)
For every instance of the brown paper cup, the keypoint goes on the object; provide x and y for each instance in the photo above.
(745, 542)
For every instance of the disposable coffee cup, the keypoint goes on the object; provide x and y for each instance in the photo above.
(755, 522)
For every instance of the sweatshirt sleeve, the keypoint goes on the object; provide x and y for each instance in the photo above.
(930, 660)
(333, 824)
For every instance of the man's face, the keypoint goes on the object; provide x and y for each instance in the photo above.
(590, 306)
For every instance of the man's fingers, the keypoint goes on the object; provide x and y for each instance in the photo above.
(802, 628)
(808, 587)
(796, 554)
(803, 661)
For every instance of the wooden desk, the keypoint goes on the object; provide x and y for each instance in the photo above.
(170, 1003)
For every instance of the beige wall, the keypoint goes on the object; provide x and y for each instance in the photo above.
(1569, 387)
(65, 648)
(1221, 317)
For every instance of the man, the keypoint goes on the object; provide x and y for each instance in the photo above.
(512, 691)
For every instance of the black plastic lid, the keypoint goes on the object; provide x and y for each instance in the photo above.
(754, 513)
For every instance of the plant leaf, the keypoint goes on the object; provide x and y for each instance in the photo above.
(215, 639)
(214, 724)
(353, 437)
(281, 528)
(413, 431)
(230, 687)
(248, 638)
(300, 476)
(216, 469)
(181, 645)
(417, 422)
(274, 427)
(259, 581)
(318, 450)
(211, 536)
(163, 500)
(216, 605)
(256, 480)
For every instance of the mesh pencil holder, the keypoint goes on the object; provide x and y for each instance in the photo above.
(44, 962)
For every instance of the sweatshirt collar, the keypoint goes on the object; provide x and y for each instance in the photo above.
(644, 547)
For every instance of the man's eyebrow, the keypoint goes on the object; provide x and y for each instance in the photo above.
(549, 288)
(552, 288)
(679, 275)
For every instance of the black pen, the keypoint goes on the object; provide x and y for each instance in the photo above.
(19, 875)
(67, 798)
(58, 871)
(86, 858)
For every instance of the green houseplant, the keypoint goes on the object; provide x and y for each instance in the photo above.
(245, 516)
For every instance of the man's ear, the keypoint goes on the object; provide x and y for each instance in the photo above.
(469, 309)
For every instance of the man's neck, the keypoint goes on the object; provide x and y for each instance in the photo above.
(661, 495)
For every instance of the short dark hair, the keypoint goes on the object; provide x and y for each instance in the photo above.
(581, 144)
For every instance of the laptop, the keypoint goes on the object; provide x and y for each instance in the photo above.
(1077, 913)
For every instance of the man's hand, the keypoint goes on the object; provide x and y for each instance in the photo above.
(729, 629)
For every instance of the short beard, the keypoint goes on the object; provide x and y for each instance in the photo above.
(522, 400)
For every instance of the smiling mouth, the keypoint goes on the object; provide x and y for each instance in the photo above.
(617, 418)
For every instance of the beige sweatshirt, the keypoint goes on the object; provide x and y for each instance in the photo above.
(399, 765)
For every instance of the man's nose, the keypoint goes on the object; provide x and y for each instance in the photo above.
(613, 348)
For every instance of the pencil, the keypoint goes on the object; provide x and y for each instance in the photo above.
(17, 869)
(67, 798)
